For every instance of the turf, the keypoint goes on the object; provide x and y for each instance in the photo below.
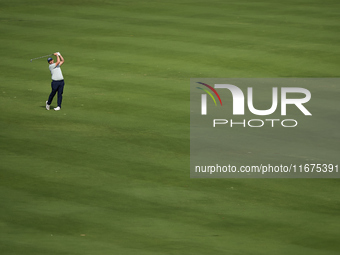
(109, 173)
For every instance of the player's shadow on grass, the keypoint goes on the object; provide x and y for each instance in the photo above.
(44, 106)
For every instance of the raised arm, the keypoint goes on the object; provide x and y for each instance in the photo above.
(61, 59)
(58, 59)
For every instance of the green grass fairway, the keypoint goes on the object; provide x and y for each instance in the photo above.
(109, 173)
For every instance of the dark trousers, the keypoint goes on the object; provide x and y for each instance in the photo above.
(57, 86)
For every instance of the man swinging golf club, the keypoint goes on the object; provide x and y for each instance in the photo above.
(57, 80)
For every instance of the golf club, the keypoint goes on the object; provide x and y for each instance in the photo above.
(41, 57)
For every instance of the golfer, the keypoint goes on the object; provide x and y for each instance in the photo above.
(57, 80)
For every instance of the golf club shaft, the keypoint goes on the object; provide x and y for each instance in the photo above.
(41, 57)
